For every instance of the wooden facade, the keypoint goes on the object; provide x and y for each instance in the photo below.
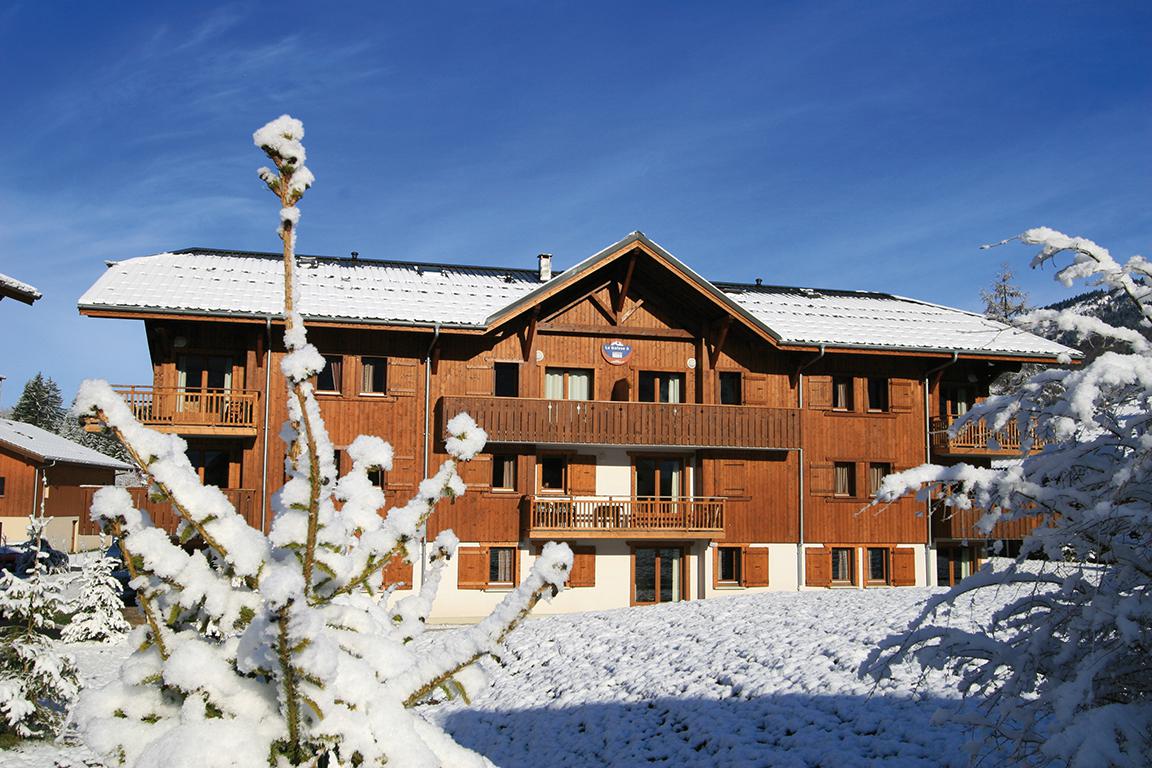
(705, 430)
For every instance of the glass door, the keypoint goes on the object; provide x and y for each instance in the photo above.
(658, 575)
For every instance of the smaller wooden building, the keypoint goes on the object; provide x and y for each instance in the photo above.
(37, 465)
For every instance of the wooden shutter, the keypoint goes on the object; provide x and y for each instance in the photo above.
(398, 571)
(479, 380)
(817, 567)
(820, 392)
(583, 567)
(821, 479)
(901, 395)
(402, 376)
(755, 567)
(903, 567)
(755, 389)
(477, 473)
(472, 567)
(582, 475)
(733, 477)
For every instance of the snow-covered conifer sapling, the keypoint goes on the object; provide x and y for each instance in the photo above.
(38, 681)
(1063, 673)
(278, 649)
(96, 608)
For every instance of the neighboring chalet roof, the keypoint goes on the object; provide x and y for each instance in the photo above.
(42, 445)
(12, 288)
(250, 285)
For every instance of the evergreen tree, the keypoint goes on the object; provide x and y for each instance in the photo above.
(40, 404)
(1004, 300)
(96, 613)
(37, 681)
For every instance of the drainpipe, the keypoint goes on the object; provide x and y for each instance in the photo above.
(427, 430)
(264, 459)
(928, 455)
(800, 505)
(40, 482)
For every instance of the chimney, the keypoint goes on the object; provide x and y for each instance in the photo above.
(545, 267)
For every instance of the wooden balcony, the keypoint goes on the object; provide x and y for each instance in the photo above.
(973, 439)
(77, 500)
(604, 517)
(205, 412)
(599, 422)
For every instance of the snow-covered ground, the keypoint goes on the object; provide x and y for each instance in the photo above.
(758, 680)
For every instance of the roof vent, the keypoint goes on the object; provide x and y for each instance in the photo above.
(355, 255)
(545, 267)
(308, 261)
(759, 281)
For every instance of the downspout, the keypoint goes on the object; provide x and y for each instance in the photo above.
(40, 481)
(800, 505)
(928, 456)
(264, 459)
(427, 431)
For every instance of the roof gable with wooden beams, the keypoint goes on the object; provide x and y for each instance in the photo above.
(619, 288)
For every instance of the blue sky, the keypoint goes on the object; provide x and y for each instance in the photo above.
(833, 144)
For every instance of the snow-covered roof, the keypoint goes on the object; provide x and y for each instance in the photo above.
(245, 284)
(252, 285)
(13, 288)
(863, 319)
(42, 445)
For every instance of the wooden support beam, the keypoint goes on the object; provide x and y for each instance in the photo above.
(631, 311)
(626, 283)
(590, 294)
(607, 332)
(722, 336)
(528, 334)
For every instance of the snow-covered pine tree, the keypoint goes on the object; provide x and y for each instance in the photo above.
(96, 609)
(277, 649)
(37, 680)
(40, 404)
(1063, 675)
(1004, 300)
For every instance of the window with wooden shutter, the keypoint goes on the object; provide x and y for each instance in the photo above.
(399, 572)
(820, 392)
(756, 567)
(476, 473)
(817, 567)
(821, 479)
(755, 389)
(472, 567)
(478, 380)
(903, 567)
(582, 476)
(373, 375)
(902, 395)
(727, 566)
(733, 478)
(583, 567)
(402, 376)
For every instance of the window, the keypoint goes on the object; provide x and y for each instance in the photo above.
(876, 473)
(661, 387)
(842, 393)
(204, 372)
(507, 380)
(842, 565)
(501, 566)
(211, 465)
(337, 459)
(375, 378)
(503, 472)
(731, 391)
(877, 394)
(956, 399)
(553, 473)
(567, 384)
(659, 478)
(2, 479)
(328, 380)
(877, 565)
(845, 478)
(377, 477)
(728, 566)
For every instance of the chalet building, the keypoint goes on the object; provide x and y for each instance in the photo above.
(37, 466)
(687, 438)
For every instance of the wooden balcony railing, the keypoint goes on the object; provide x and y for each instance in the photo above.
(599, 422)
(972, 439)
(194, 411)
(77, 500)
(617, 516)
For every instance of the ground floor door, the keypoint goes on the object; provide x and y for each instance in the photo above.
(658, 574)
(954, 562)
